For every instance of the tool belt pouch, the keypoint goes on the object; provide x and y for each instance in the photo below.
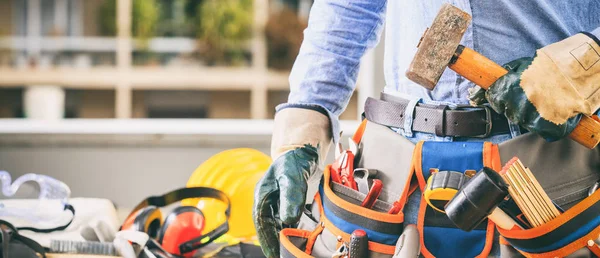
(327, 223)
(577, 228)
(333, 216)
(439, 236)
(566, 170)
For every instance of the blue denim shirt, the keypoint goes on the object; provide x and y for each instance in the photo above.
(340, 31)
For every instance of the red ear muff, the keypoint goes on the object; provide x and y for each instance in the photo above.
(183, 224)
(181, 233)
(147, 219)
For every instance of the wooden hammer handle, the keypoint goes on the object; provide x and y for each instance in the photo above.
(484, 72)
(475, 67)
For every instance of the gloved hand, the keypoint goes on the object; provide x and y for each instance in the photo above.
(548, 93)
(300, 138)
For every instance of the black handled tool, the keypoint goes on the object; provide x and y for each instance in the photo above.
(359, 244)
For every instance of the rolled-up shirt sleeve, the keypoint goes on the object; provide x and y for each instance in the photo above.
(338, 34)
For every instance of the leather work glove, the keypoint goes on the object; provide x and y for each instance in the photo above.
(300, 139)
(548, 93)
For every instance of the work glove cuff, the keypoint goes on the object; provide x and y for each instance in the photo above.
(297, 127)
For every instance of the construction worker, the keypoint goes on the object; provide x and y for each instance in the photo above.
(540, 94)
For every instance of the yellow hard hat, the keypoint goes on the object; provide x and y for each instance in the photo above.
(235, 172)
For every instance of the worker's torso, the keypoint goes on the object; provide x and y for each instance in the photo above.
(502, 30)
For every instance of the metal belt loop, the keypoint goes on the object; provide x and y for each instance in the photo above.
(440, 128)
(409, 116)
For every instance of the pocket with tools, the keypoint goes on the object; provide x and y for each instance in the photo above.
(362, 180)
(352, 214)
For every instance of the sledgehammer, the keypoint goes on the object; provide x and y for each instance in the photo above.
(440, 48)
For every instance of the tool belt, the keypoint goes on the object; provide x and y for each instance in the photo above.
(340, 213)
(564, 169)
(436, 119)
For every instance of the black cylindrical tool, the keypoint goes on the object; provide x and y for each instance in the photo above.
(359, 244)
(477, 199)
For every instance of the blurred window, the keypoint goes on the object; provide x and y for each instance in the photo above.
(47, 17)
(20, 17)
(57, 17)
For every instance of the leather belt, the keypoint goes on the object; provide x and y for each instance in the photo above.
(440, 120)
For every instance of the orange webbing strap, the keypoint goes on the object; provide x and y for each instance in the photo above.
(417, 168)
(412, 189)
(318, 202)
(489, 239)
(289, 247)
(313, 237)
(420, 228)
(491, 156)
(594, 248)
(418, 164)
(318, 229)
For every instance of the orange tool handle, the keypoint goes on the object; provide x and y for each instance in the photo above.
(484, 72)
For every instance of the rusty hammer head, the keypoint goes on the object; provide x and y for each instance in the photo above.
(437, 46)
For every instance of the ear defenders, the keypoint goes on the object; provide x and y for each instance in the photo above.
(181, 231)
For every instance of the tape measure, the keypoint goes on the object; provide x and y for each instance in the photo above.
(442, 186)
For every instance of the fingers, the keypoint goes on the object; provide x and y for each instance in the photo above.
(282, 193)
(267, 229)
(292, 199)
(477, 96)
(293, 186)
(265, 207)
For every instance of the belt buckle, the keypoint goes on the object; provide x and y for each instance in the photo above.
(488, 123)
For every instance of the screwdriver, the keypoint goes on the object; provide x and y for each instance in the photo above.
(359, 244)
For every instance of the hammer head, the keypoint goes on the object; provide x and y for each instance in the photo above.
(437, 46)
